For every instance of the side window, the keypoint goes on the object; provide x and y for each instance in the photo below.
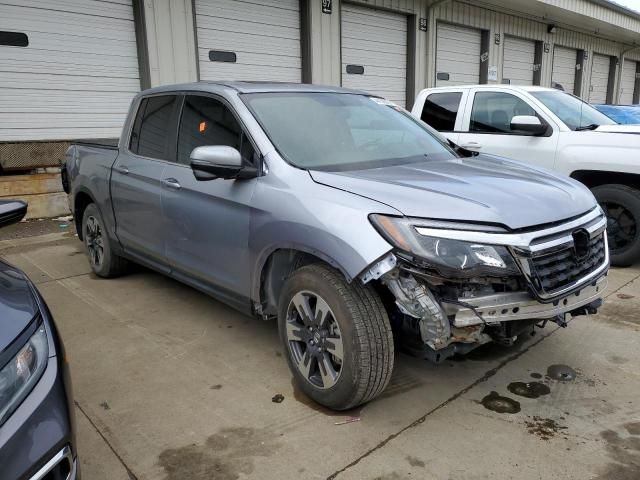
(492, 112)
(152, 132)
(207, 121)
(440, 110)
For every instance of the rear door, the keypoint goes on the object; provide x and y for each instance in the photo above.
(207, 230)
(136, 179)
(486, 128)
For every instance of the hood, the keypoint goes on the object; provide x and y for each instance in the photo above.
(618, 129)
(484, 188)
(18, 306)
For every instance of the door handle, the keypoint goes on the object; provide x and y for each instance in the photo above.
(171, 183)
(122, 169)
(472, 146)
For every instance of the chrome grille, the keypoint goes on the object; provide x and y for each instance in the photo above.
(554, 271)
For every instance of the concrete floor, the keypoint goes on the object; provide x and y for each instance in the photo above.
(171, 384)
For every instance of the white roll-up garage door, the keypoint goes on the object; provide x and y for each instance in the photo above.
(249, 40)
(457, 55)
(519, 57)
(77, 75)
(627, 83)
(564, 67)
(599, 79)
(374, 52)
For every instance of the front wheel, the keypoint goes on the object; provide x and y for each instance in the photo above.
(337, 337)
(621, 205)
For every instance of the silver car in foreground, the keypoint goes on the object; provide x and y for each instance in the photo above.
(336, 212)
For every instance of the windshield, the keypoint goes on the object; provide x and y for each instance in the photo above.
(576, 114)
(337, 131)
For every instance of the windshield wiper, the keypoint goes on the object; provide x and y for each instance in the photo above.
(591, 126)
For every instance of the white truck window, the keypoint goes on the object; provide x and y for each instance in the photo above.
(492, 112)
(440, 110)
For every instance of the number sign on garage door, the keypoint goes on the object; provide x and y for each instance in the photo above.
(374, 52)
(249, 40)
(627, 83)
(519, 57)
(599, 79)
(457, 55)
(68, 70)
(564, 67)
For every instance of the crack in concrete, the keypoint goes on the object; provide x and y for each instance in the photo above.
(487, 375)
(130, 473)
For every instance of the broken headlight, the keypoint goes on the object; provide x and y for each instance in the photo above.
(449, 257)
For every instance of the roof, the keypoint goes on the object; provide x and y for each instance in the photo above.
(493, 86)
(615, 6)
(251, 87)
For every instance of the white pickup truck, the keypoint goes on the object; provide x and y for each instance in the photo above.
(551, 129)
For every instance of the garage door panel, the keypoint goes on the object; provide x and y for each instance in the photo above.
(564, 67)
(240, 43)
(90, 8)
(264, 35)
(458, 54)
(599, 79)
(376, 40)
(254, 73)
(519, 57)
(283, 14)
(627, 82)
(78, 74)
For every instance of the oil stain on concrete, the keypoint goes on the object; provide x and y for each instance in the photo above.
(624, 452)
(500, 404)
(529, 389)
(226, 455)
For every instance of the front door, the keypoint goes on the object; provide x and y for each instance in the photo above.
(136, 180)
(207, 230)
(487, 129)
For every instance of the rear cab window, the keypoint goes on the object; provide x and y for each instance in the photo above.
(440, 110)
(153, 133)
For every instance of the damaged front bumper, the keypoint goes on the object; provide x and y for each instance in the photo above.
(561, 273)
(506, 307)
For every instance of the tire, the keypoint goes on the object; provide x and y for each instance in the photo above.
(622, 206)
(356, 321)
(103, 261)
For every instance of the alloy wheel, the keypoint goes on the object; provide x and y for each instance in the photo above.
(314, 339)
(621, 226)
(94, 241)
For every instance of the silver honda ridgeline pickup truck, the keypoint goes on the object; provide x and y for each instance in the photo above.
(336, 212)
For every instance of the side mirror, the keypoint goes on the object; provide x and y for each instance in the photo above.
(12, 211)
(528, 124)
(217, 161)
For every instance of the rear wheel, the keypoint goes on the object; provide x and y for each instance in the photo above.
(621, 204)
(103, 261)
(337, 337)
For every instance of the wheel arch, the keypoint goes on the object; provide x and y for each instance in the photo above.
(275, 267)
(595, 178)
(81, 201)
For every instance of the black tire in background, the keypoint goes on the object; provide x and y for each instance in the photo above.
(103, 261)
(621, 204)
(362, 325)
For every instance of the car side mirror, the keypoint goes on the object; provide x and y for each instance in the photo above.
(529, 124)
(218, 161)
(12, 211)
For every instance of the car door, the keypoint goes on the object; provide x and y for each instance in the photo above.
(136, 179)
(440, 110)
(206, 239)
(486, 128)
